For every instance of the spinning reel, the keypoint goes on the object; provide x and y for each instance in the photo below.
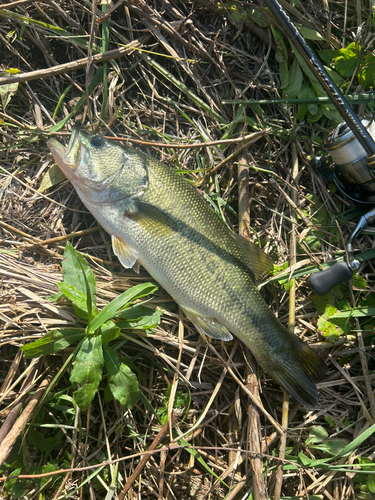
(354, 176)
(352, 149)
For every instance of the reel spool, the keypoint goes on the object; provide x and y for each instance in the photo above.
(354, 176)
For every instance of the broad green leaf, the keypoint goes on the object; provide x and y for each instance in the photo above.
(314, 117)
(359, 281)
(308, 72)
(356, 312)
(55, 297)
(301, 112)
(54, 341)
(181, 399)
(78, 299)
(312, 108)
(42, 443)
(326, 327)
(366, 464)
(77, 273)
(318, 434)
(331, 114)
(321, 302)
(90, 298)
(368, 468)
(109, 331)
(122, 382)
(370, 483)
(295, 82)
(85, 395)
(258, 17)
(45, 469)
(72, 265)
(347, 60)
(309, 34)
(303, 94)
(87, 370)
(336, 77)
(139, 317)
(10, 483)
(113, 308)
(327, 55)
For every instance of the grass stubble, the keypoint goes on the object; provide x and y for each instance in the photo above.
(162, 71)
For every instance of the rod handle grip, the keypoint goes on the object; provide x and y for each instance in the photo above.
(324, 281)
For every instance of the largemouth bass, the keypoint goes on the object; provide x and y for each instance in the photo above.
(158, 220)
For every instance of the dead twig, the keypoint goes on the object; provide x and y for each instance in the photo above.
(9, 441)
(71, 66)
(252, 379)
(254, 137)
(236, 140)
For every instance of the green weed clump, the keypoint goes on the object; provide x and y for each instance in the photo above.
(92, 352)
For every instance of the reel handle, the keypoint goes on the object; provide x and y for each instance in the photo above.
(324, 281)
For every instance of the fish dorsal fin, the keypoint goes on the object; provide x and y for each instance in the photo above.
(255, 258)
(208, 326)
(125, 253)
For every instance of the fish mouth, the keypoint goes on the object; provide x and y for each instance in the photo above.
(68, 158)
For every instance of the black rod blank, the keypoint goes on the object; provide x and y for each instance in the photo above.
(342, 106)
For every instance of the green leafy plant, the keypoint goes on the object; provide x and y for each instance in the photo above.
(297, 80)
(365, 483)
(352, 59)
(180, 401)
(327, 307)
(48, 441)
(92, 350)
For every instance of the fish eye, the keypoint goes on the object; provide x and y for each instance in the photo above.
(97, 141)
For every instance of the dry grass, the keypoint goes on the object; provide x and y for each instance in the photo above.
(175, 64)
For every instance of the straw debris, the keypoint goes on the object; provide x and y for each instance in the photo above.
(161, 73)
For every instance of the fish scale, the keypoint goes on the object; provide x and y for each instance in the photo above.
(158, 220)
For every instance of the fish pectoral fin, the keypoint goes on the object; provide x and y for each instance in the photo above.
(209, 326)
(256, 259)
(125, 253)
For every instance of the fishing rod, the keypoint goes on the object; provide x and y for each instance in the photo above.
(352, 148)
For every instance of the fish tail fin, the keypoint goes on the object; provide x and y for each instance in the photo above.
(299, 371)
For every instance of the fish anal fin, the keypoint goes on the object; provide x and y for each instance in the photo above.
(209, 326)
(255, 258)
(125, 253)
